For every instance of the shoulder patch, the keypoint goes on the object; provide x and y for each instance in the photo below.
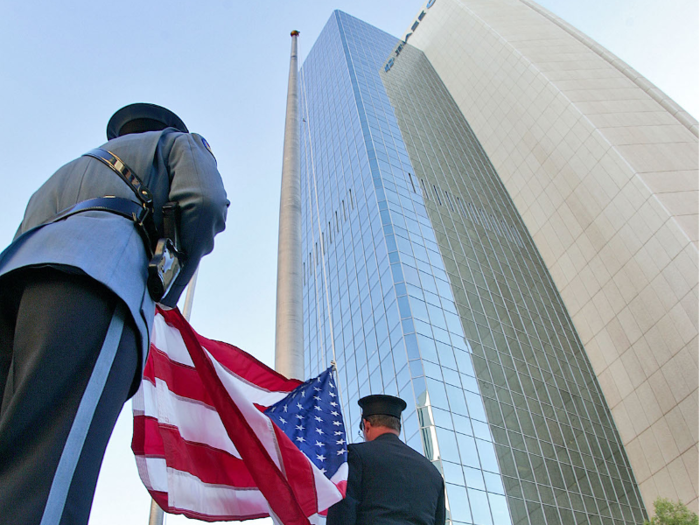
(206, 145)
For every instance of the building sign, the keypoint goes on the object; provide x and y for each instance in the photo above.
(416, 23)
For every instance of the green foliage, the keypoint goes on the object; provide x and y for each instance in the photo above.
(669, 513)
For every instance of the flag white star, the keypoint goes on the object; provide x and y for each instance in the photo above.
(317, 398)
(318, 419)
(299, 416)
(283, 420)
(317, 389)
(340, 441)
(334, 404)
(337, 423)
(320, 444)
(316, 407)
(319, 431)
(300, 439)
(320, 457)
(285, 408)
(299, 406)
(338, 433)
(300, 427)
(341, 452)
(331, 394)
(334, 413)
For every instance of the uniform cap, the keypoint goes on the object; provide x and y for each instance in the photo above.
(381, 404)
(140, 117)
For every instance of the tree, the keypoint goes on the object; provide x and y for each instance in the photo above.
(669, 513)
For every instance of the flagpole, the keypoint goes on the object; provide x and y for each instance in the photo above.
(289, 339)
(157, 516)
(189, 298)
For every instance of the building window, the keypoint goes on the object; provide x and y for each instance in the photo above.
(437, 195)
(425, 191)
(410, 179)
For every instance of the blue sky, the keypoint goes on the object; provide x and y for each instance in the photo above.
(222, 65)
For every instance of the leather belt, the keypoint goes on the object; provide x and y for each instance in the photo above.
(124, 207)
(129, 209)
(120, 168)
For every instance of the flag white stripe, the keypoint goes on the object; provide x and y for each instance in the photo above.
(258, 422)
(327, 492)
(153, 473)
(188, 492)
(196, 422)
(169, 340)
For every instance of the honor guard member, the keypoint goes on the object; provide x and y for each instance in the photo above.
(388, 481)
(105, 237)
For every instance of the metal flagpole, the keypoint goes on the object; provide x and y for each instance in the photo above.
(157, 516)
(289, 339)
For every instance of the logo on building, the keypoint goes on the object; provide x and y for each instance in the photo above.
(416, 23)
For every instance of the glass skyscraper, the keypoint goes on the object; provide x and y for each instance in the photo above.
(421, 280)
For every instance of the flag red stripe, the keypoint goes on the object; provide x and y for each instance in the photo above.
(299, 472)
(209, 464)
(161, 498)
(233, 358)
(182, 380)
(146, 442)
(268, 477)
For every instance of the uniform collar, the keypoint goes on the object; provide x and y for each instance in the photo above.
(387, 436)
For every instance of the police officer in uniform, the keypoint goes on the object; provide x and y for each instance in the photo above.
(388, 481)
(77, 302)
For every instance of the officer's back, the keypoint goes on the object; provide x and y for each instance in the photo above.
(388, 481)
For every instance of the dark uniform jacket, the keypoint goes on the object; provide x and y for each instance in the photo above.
(389, 483)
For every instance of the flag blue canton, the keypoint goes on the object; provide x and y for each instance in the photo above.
(310, 416)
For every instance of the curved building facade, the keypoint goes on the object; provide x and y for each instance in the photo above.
(603, 168)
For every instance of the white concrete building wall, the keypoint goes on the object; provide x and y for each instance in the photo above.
(604, 170)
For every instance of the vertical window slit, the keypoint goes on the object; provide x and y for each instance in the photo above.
(509, 234)
(410, 179)
(425, 191)
(449, 201)
(437, 195)
(462, 211)
(485, 219)
(495, 225)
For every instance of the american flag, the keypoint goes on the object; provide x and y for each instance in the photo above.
(310, 416)
(205, 448)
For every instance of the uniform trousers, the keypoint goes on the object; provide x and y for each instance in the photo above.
(62, 391)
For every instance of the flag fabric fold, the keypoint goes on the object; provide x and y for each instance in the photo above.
(212, 441)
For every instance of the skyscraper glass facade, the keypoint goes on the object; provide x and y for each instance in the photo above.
(421, 281)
